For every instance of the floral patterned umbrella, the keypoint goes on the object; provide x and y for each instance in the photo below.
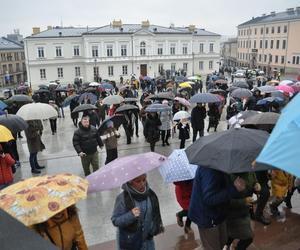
(37, 199)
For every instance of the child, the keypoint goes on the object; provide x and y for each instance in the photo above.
(183, 190)
(6, 163)
(110, 141)
(184, 131)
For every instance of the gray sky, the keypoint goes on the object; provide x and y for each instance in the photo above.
(220, 16)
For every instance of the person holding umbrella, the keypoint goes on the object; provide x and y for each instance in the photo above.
(137, 215)
(214, 116)
(184, 131)
(110, 140)
(6, 163)
(197, 119)
(74, 116)
(165, 128)
(151, 129)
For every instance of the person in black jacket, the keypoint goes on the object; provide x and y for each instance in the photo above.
(184, 131)
(197, 118)
(214, 116)
(151, 129)
(85, 142)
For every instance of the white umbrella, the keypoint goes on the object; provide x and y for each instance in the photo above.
(37, 111)
(94, 84)
(181, 115)
(286, 82)
(53, 83)
(113, 99)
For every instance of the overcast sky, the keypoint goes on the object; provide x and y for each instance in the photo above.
(220, 16)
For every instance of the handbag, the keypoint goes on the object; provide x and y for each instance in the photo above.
(130, 241)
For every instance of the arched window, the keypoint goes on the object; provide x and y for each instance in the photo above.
(142, 48)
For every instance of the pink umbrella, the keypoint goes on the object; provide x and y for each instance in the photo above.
(182, 101)
(296, 87)
(122, 170)
(285, 88)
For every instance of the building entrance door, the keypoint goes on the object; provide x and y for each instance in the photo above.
(143, 69)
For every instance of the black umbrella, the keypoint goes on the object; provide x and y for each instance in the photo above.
(20, 98)
(218, 92)
(126, 107)
(42, 91)
(117, 119)
(13, 122)
(43, 86)
(14, 235)
(241, 93)
(84, 107)
(231, 151)
(265, 118)
(204, 98)
(241, 85)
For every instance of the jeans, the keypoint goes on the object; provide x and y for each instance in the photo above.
(33, 161)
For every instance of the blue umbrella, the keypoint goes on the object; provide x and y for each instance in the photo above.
(282, 148)
(177, 167)
(88, 96)
(106, 86)
(3, 105)
(157, 107)
(269, 100)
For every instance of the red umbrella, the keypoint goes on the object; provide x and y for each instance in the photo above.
(285, 88)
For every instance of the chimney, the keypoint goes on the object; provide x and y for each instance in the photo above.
(36, 30)
(145, 24)
(192, 28)
(117, 24)
(49, 27)
(273, 13)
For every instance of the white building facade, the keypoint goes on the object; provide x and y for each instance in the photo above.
(118, 50)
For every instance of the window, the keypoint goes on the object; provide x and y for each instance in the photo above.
(24, 66)
(272, 30)
(43, 74)
(250, 44)
(266, 44)
(142, 48)
(201, 48)
(255, 31)
(210, 64)
(270, 58)
(276, 59)
(285, 29)
(41, 52)
(272, 44)
(201, 65)
(123, 50)
(9, 57)
(296, 59)
(110, 70)
(18, 67)
(185, 67)
(211, 47)
(254, 44)
(259, 58)
(16, 54)
(184, 49)
(260, 44)
(160, 68)
(246, 44)
(278, 29)
(172, 49)
(277, 44)
(261, 31)
(10, 68)
(60, 73)
(22, 56)
(173, 67)
(282, 59)
(265, 58)
(94, 51)
(4, 67)
(96, 72)
(109, 50)
(58, 51)
(267, 30)
(284, 44)
(124, 70)
(77, 71)
(76, 50)
(160, 49)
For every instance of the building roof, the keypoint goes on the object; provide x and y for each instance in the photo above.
(6, 44)
(124, 29)
(289, 14)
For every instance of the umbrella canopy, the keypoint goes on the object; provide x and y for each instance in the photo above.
(278, 93)
(287, 82)
(53, 83)
(90, 89)
(13, 122)
(180, 79)
(185, 85)
(241, 93)
(43, 86)
(130, 99)
(42, 91)
(194, 78)
(106, 86)
(147, 78)
(181, 115)
(273, 82)
(265, 118)
(84, 107)
(241, 84)
(221, 81)
(286, 89)
(14, 235)
(122, 88)
(5, 134)
(122, 170)
(3, 105)
(204, 98)
(282, 148)
(267, 89)
(37, 111)
(177, 167)
(231, 151)
(232, 88)
(92, 98)
(296, 87)
(117, 119)
(113, 99)
(157, 107)
(62, 88)
(236, 121)
(37, 199)
(20, 98)
(269, 100)
(162, 95)
(126, 107)
(183, 101)
(68, 100)
(94, 84)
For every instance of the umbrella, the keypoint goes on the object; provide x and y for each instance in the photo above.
(221, 81)
(94, 84)
(236, 121)
(181, 115)
(194, 78)
(188, 82)
(37, 199)
(87, 96)
(177, 167)
(14, 235)
(185, 85)
(204, 98)
(113, 99)
(84, 107)
(20, 98)
(241, 84)
(122, 170)
(282, 148)
(241, 93)
(269, 100)
(122, 88)
(278, 93)
(43, 86)
(261, 78)
(232, 88)
(267, 89)
(62, 88)
(5, 134)
(126, 107)
(13, 122)
(180, 79)
(287, 82)
(147, 78)
(68, 100)
(273, 82)
(37, 111)
(286, 89)
(162, 95)
(218, 92)
(106, 86)
(157, 107)
(265, 118)
(90, 89)
(182, 101)
(130, 99)
(3, 105)
(231, 151)
(296, 87)
(117, 119)
(42, 91)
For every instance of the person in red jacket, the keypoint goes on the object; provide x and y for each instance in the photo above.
(6, 163)
(183, 190)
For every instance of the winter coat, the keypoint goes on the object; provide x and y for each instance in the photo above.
(197, 117)
(110, 138)
(151, 129)
(183, 191)
(73, 105)
(281, 183)
(33, 135)
(86, 140)
(6, 175)
(184, 131)
(211, 197)
(101, 110)
(165, 119)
